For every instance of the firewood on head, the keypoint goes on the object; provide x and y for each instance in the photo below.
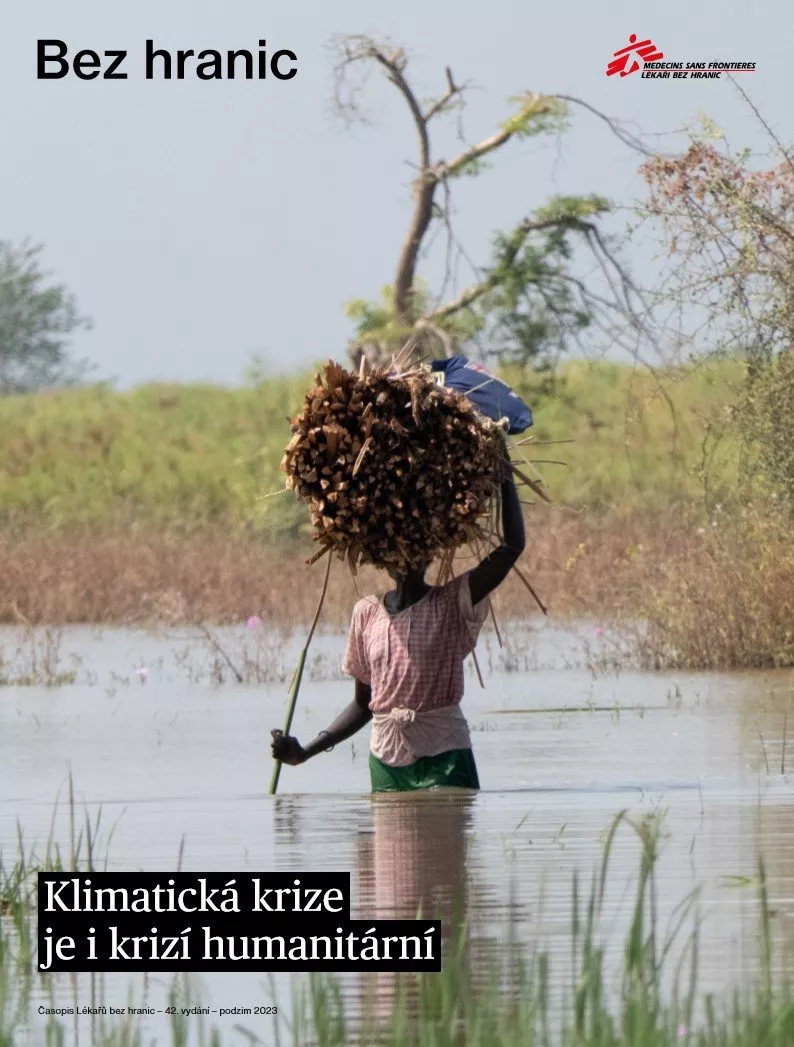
(396, 471)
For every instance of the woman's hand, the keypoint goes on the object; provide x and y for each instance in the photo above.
(287, 749)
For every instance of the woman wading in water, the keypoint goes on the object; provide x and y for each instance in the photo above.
(405, 652)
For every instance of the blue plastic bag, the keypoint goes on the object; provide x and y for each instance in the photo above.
(489, 394)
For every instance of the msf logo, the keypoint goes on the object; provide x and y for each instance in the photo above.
(638, 52)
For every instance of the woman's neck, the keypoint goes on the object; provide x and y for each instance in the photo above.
(408, 589)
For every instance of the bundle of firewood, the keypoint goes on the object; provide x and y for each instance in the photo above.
(396, 470)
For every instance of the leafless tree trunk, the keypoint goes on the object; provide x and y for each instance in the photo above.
(357, 55)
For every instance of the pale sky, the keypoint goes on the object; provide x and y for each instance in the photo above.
(200, 223)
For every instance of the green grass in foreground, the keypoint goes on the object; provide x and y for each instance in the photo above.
(188, 457)
(652, 1000)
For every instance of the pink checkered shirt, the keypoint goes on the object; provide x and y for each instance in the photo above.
(413, 661)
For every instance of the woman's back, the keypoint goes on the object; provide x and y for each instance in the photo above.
(414, 658)
(412, 661)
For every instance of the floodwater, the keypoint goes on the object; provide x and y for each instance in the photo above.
(179, 764)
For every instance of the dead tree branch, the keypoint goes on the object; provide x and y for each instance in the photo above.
(470, 295)
(535, 113)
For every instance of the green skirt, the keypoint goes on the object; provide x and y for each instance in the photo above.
(454, 769)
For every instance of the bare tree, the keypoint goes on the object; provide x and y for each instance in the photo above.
(528, 285)
(728, 223)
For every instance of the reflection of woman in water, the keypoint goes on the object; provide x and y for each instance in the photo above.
(415, 859)
(415, 863)
(405, 652)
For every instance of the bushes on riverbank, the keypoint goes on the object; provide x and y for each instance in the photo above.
(689, 596)
(724, 600)
(183, 459)
(145, 506)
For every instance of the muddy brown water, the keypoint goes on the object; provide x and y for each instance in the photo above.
(178, 762)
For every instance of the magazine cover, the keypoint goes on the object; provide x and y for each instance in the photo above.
(396, 525)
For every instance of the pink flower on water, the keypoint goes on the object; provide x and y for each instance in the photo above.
(682, 1031)
(598, 630)
(143, 672)
(254, 621)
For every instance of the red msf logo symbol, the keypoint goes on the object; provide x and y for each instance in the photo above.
(645, 51)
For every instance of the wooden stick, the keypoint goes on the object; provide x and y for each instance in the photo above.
(495, 625)
(445, 567)
(366, 446)
(538, 600)
(527, 462)
(298, 676)
(318, 555)
(408, 348)
(539, 443)
(531, 483)
(477, 669)
(262, 497)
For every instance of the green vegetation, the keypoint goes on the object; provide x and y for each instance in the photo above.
(769, 428)
(166, 503)
(722, 600)
(182, 459)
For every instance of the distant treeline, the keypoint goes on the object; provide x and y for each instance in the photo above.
(183, 458)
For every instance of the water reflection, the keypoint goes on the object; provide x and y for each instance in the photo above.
(412, 864)
(414, 860)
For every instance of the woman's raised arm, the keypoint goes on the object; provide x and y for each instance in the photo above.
(493, 570)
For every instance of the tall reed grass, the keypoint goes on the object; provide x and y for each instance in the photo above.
(724, 600)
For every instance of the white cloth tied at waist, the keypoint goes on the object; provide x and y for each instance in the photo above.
(402, 736)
